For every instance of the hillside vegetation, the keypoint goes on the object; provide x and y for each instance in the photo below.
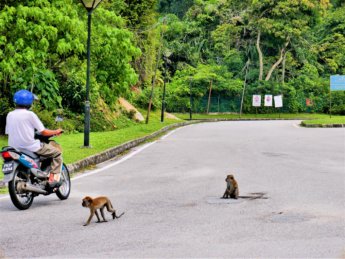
(270, 46)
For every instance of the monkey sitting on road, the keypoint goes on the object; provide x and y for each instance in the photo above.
(231, 190)
(98, 203)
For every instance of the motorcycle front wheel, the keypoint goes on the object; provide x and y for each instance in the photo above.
(22, 201)
(65, 188)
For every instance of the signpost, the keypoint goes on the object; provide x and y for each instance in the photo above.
(268, 100)
(308, 102)
(256, 102)
(278, 102)
(337, 83)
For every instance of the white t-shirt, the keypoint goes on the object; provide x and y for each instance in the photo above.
(20, 128)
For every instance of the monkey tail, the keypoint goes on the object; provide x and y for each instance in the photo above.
(252, 197)
(119, 215)
(116, 217)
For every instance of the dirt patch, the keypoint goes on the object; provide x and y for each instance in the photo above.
(130, 108)
(170, 116)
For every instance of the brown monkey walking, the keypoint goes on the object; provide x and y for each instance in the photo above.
(231, 190)
(98, 203)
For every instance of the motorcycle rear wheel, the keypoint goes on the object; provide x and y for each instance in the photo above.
(22, 201)
(65, 188)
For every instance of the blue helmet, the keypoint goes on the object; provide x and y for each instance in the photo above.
(23, 97)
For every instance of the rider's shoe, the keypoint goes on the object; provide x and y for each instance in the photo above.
(53, 182)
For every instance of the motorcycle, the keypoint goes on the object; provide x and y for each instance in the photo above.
(27, 175)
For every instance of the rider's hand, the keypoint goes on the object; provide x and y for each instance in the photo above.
(50, 133)
(58, 132)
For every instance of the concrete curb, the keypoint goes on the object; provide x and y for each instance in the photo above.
(322, 125)
(248, 119)
(268, 119)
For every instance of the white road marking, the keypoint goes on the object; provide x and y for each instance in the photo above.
(171, 132)
(296, 125)
(5, 197)
(115, 162)
(123, 158)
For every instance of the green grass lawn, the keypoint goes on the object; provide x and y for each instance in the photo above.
(327, 120)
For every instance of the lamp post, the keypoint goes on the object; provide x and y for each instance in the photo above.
(164, 88)
(166, 55)
(89, 5)
(190, 98)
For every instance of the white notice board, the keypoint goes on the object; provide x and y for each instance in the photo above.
(256, 100)
(268, 100)
(278, 101)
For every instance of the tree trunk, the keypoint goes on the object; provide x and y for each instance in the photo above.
(244, 85)
(283, 72)
(261, 62)
(275, 65)
(154, 80)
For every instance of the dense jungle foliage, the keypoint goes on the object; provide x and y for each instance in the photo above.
(288, 47)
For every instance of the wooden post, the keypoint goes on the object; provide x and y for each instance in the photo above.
(218, 103)
(190, 98)
(279, 112)
(330, 103)
(209, 97)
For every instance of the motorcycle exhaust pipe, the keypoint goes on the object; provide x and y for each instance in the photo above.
(25, 187)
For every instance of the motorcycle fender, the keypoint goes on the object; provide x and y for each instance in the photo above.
(9, 177)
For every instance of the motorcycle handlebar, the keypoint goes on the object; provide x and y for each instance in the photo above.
(45, 139)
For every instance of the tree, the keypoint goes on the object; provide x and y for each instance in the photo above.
(176, 7)
(331, 42)
(43, 48)
(283, 23)
(141, 18)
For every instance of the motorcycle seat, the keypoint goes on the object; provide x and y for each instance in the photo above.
(29, 153)
(24, 151)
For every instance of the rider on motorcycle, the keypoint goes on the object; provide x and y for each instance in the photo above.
(21, 124)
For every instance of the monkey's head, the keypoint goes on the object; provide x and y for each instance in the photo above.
(86, 201)
(229, 178)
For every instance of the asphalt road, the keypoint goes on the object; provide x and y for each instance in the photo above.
(170, 193)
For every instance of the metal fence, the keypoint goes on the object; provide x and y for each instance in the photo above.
(232, 104)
